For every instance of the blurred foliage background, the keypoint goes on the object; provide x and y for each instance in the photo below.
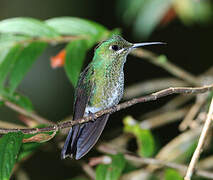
(185, 25)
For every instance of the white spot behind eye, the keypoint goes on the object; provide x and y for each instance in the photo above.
(121, 50)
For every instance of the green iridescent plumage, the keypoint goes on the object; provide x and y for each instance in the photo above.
(100, 86)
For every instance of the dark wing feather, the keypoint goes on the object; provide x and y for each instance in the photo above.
(89, 135)
(82, 138)
(82, 94)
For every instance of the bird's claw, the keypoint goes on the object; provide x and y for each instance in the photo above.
(93, 116)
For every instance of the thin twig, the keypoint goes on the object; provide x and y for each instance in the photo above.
(192, 113)
(167, 65)
(158, 162)
(10, 125)
(88, 170)
(171, 105)
(22, 111)
(180, 167)
(56, 40)
(206, 163)
(151, 57)
(164, 118)
(151, 97)
(177, 147)
(152, 85)
(201, 142)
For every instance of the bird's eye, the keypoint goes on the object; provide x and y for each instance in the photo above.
(114, 47)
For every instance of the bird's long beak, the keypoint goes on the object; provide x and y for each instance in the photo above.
(136, 45)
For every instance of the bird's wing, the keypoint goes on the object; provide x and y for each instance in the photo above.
(82, 137)
(82, 95)
(89, 135)
(85, 136)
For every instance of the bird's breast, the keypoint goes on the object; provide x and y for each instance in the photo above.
(107, 92)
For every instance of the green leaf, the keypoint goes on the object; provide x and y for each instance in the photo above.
(149, 16)
(192, 12)
(180, 149)
(162, 59)
(22, 101)
(75, 55)
(129, 9)
(30, 147)
(6, 42)
(18, 99)
(209, 98)
(129, 167)
(9, 40)
(23, 63)
(7, 62)
(89, 30)
(10, 145)
(27, 26)
(3, 53)
(1, 103)
(113, 170)
(27, 149)
(145, 140)
(171, 174)
(76, 26)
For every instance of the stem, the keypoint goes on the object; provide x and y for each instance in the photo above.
(200, 145)
(151, 97)
(167, 65)
(158, 162)
(21, 110)
(57, 40)
(151, 57)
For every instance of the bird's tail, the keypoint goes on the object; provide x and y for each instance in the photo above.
(82, 138)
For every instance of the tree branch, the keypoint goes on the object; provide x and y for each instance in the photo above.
(167, 65)
(24, 112)
(151, 97)
(200, 145)
(51, 40)
(158, 162)
(151, 57)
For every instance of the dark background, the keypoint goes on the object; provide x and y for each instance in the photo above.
(52, 94)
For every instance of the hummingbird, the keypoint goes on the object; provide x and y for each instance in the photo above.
(100, 86)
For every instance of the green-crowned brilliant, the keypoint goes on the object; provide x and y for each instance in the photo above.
(100, 86)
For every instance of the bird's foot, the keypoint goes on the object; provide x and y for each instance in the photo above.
(93, 116)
